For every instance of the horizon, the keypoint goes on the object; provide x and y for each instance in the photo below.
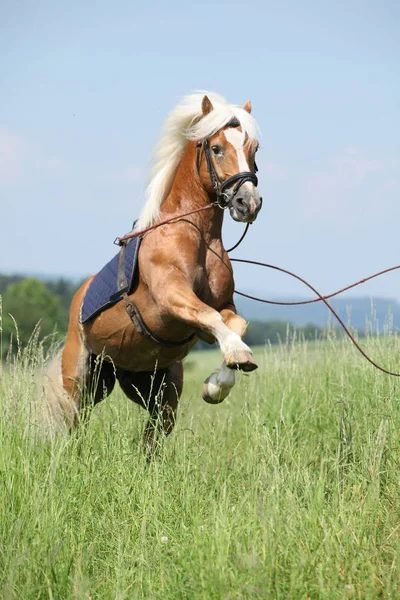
(252, 291)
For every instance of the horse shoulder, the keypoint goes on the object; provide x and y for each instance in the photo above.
(168, 250)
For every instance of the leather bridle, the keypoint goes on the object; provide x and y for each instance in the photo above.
(220, 186)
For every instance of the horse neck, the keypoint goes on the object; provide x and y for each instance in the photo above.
(187, 193)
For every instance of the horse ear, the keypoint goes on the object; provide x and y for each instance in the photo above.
(247, 106)
(206, 106)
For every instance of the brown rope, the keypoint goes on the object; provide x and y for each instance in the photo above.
(298, 303)
(241, 239)
(323, 299)
(119, 240)
(319, 298)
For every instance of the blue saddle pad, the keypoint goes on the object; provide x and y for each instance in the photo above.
(104, 291)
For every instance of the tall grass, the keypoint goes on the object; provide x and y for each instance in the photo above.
(289, 489)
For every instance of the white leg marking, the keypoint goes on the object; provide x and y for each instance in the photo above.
(218, 385)
(230, 342)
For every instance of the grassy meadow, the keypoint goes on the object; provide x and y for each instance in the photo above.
(288, 489)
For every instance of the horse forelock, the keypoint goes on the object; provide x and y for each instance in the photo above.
(186, 122)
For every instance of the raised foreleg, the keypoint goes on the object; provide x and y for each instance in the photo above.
(178, 300)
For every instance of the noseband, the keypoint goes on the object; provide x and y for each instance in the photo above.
(220, 186)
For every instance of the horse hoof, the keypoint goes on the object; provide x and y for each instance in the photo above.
(242, 360)
(216, 398)
(218, 385)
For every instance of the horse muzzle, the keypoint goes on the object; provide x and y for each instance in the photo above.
(245, 205)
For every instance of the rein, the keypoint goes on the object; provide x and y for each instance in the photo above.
(119, 241)
(320, 298)
(299, 302)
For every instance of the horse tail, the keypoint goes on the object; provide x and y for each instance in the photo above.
(58, 412)
(61, 410)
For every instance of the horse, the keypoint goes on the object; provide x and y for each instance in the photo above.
(204, 163)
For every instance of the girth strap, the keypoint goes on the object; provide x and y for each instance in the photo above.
(133, 311)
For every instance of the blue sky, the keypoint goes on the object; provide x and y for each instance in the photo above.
(85, 87)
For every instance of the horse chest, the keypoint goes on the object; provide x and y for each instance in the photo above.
(218, 284)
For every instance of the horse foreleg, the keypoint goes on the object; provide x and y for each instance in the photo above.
(178, 300)
(219, 384)
(159, 393)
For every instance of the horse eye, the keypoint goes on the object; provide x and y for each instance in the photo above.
(217, 149)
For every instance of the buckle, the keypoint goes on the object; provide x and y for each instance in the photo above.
(119, 242)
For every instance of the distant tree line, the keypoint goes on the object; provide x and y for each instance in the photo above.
(274, 332)
(27, 301)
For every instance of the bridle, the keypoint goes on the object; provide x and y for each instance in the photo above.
(219, 186)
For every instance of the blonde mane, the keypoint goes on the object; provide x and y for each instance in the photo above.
(186, 122)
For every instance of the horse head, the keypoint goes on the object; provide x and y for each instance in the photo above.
(226, 163)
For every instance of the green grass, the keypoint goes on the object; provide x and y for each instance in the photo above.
(289, 489)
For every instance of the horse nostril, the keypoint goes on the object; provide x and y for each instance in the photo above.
(240, 201)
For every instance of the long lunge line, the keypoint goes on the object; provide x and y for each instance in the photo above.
(319, 299)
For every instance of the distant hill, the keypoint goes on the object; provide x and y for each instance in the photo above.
(358, 310)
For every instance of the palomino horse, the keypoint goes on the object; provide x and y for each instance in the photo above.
(205, 158)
